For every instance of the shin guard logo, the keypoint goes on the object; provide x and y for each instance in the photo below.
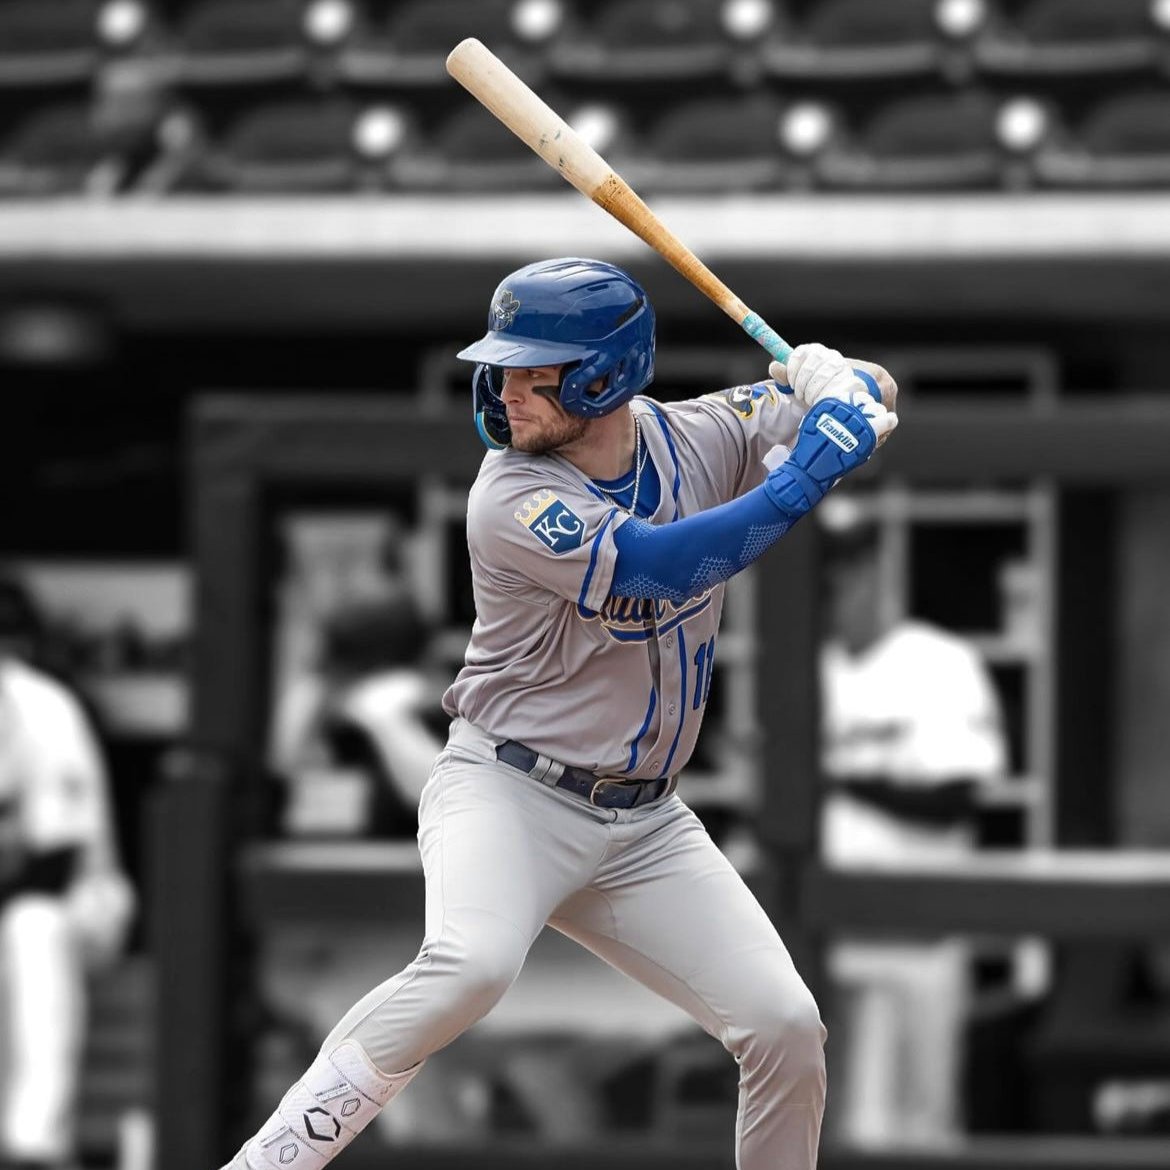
(326, 1120)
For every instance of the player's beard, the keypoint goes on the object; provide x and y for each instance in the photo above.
(559, 431)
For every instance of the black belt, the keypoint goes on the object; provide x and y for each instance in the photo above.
(596, 790)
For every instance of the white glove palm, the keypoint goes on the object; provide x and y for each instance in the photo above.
(814, 372)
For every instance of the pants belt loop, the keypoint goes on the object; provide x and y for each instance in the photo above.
(547, 771)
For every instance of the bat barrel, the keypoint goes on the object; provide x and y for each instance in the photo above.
(540, 127)
(496, 87)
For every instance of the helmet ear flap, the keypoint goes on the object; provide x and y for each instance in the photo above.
(622, 379)
(491, 417)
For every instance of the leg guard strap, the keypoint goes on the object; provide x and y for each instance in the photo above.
(339, 1095)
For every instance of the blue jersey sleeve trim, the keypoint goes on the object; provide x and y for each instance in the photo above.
(596, 492)
(660, 415)
(593, 551)
(642, 730)
(682, 699)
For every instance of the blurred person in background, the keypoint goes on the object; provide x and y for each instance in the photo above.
(911, 730)
(65, 904)
(361, 714)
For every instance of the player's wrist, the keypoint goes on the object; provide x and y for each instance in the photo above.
(834, 438)
(792, 492)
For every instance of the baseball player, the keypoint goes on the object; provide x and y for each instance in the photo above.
(64, 901)
(912, 730)
(602, 527)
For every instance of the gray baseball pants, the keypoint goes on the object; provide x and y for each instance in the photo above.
(645, 889)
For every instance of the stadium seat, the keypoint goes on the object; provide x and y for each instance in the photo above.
(409, 46)
(858, 40)
(45, 43)
(53, 150)
(1028, 128)
(1123, 142)
(328, 24)
(939, 141)
(240, 42)
(473, 151)
(1054, 38)
(806, 131)
(712, 145)
(297, 145)
(646, 41)
(93, 135)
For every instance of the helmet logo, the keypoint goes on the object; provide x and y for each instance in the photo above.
(504, 309)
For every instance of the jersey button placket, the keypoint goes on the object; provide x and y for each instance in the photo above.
(671, 709)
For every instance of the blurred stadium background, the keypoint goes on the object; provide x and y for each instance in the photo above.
(239, 241)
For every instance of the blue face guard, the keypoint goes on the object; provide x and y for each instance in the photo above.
(491, 416)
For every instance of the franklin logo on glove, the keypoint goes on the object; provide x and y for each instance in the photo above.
(833, 430)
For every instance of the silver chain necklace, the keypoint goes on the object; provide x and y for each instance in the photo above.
(637, 465)
(633, 508)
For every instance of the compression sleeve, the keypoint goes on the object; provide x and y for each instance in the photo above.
(673, 562)
(683, 559)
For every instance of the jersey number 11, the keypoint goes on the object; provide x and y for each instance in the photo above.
(704, 666)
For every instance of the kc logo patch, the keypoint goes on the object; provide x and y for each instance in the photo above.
(554, 524)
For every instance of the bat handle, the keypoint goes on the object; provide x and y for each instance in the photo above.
(756, 327)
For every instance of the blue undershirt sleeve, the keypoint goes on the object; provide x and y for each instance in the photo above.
(673, 562)
(680, 560)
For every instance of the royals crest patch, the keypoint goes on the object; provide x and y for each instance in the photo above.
(552, 522)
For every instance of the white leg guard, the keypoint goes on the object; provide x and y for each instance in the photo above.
(339, 1095)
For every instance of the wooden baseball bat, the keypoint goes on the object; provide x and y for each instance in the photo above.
(493, 84)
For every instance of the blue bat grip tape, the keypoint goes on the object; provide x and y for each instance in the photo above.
(756, 327)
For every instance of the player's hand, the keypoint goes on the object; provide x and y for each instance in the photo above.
(814, 372)
(882, 421)
(883, 378)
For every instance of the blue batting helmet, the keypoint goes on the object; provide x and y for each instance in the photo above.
(584, 314)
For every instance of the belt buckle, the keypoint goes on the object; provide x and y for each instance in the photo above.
(593, 791)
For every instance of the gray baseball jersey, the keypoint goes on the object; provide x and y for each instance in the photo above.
(615, 685)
